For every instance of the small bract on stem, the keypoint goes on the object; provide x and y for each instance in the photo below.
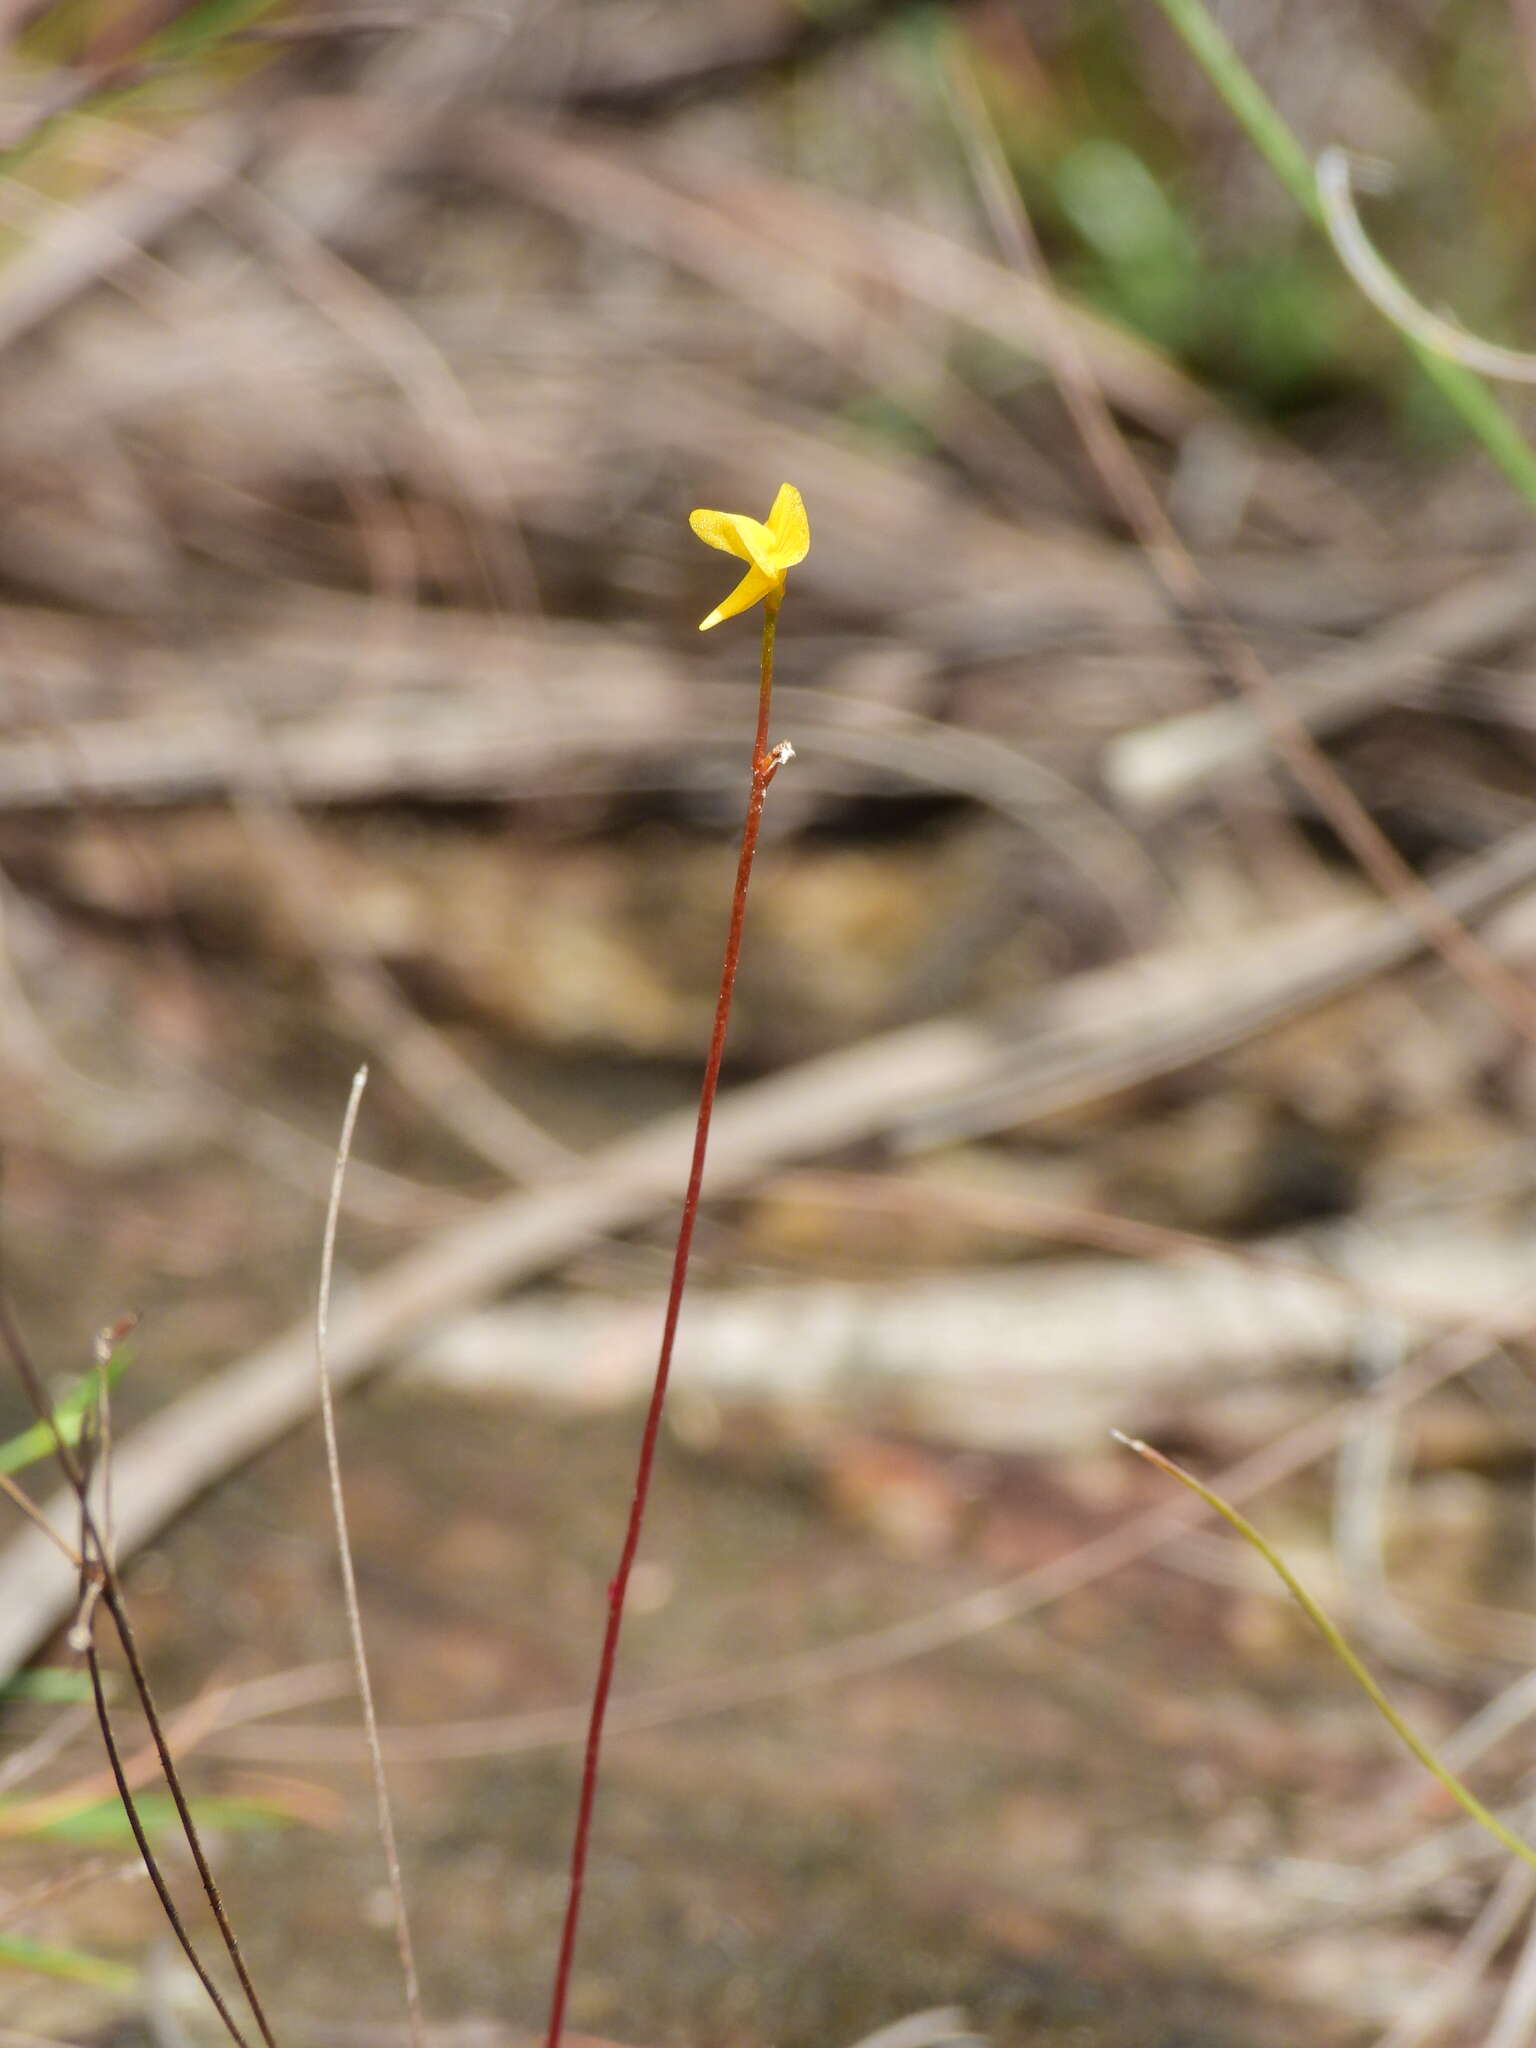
(771, 549)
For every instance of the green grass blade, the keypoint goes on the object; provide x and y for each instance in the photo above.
(52, 1685)
(103, 1823)
(207, 25)
(39, 1442)
(1248, 103)
(1469, 1803)
(47, 1960)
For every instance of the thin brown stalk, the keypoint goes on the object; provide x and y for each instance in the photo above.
(32, 1386)
(111, 1593)
(130, 1808)
(766, 763)
(101, 1417)
(99, 1583)
(22, 1500)
(383, 1812)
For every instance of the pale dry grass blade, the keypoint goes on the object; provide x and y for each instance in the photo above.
(1427, 2017)
(1493, 1723)
(66, 1884)
(1366, 1476)
(35, 1755)
(1157, 769)
(25, 1505)
(1390, 296)
(1515, 2023)
(383, 1810)
(944, 2027)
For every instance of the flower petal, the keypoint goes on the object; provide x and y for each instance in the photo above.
(755, 585)
(737, 535)
(789, 528)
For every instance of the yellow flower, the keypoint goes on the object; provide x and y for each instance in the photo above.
(772, 550)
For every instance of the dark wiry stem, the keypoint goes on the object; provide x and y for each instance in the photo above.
(99, 1580)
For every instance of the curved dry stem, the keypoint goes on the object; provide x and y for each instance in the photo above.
(384, 1813)
(1433, 2010)
(1516, 2021)
(1387, 292)
(24, 1503)
(99, 1586)
(151, 1866)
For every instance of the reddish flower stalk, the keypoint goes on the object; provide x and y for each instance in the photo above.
(766, 763)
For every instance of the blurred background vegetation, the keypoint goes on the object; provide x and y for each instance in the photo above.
(1100, 1057)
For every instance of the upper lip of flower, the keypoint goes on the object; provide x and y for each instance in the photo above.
(771, 549)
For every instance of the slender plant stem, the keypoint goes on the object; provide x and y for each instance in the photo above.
(112, 1598)
(383, 1810)
(151, 1864)
(100, 1583)
(765, 765)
